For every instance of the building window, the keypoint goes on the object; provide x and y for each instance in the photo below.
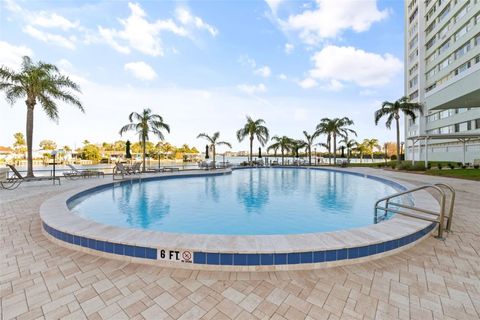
(462, 68)
(477, 123)
(414, 14)
(413, 95)
(413, 82)
(413, 69)
(444, 47)
(443, 64)
(462, 50)
(463, 11)
(430, 43)
(460, 33)
(444, 13)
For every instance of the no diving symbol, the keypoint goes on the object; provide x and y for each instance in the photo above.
(187, 255)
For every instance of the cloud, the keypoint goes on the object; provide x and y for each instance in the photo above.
(289, 48)
(263, 72)
(141, 70)
(46, 20)
(331, 18)
(348, 64)
(48, 37)
(252, 89)
(53, 20)
(11, 55)
(139, 34)
(187, 19)
(274, 4)
(246, 61)
(282, 76)
(308, 83)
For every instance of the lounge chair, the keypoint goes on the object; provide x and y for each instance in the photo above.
(14, 182)
(74, 173)
(120, 169)
(136, 168)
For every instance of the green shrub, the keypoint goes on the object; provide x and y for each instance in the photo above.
(393, 157)
(476, 166)
(393, 165)
(439, 166)
(450, 166)
(419, 166)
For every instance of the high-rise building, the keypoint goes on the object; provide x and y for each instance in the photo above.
(442, 71)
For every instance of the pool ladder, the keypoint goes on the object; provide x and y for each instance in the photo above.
(387, 205)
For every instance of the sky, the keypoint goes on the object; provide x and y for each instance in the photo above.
(205, 65)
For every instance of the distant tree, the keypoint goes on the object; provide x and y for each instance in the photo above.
(48, 145)
(333, 128)
(284, 143)
(253, 129)
(67, 148)
(349, 144)
(144, 123)
(308, 143)
(85, 142)
(213, 140)
(361, 149)
(91, 152)
(19, 144)
(392, 111)
(37, 82)
(371, 144)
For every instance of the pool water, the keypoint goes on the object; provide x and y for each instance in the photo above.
(247, 202)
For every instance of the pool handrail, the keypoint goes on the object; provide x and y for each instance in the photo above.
(439, 187)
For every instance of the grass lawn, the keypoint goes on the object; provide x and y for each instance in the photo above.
(470, 174)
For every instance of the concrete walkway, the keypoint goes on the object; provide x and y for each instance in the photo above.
(40, 280)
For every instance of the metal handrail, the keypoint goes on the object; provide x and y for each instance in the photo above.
(452, 203)
(441, 215)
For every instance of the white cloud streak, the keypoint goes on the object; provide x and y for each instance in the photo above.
(11, 55)
(141, 70)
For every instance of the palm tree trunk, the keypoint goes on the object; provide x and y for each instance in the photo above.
(283, 163)
(398, 138)
(309, 155)
(334, 148)
(144, 147)
(251, 149)
(29, 129)
(213, 154)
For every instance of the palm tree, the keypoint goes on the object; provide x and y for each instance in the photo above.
(283, 143)
(38, 82)
(213, 140)
(371, 144)
(333, 128)
(362, 148)
(252, 129)
(308, 143)
(392, 110)
(349, 144)
(144, 123)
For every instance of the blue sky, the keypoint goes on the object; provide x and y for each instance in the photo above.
(204, 65)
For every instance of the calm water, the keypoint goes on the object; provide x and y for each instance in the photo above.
(249, 201)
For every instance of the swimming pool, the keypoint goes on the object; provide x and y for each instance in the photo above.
(259, 201)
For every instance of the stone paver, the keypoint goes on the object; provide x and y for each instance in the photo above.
(40, 280)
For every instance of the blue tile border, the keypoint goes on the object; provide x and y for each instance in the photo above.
(104, 246)
(244, 259)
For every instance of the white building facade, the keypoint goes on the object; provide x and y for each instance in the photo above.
(442, 71)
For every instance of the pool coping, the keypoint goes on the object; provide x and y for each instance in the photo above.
(232, 252)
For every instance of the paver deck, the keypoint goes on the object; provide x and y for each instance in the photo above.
(41, 280)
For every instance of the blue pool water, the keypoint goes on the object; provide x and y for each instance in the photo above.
(248, 201)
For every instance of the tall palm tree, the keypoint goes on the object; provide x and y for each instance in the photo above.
(349, 144)
(308, 143)
(252, 129)
(392, 111)
(284, 143)
(213, 140)
(333, 128)
(38, 82)
(371, 144)
(144, 123)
